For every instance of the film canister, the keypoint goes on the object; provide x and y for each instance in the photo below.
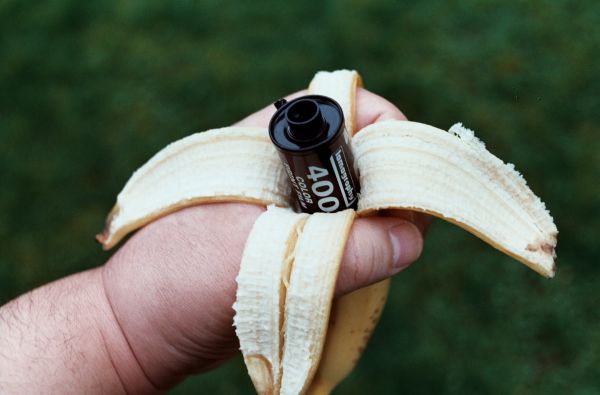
(311, 139)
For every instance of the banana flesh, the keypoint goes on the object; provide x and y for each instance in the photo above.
(281, 315)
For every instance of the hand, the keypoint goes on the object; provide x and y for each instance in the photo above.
(161, 306)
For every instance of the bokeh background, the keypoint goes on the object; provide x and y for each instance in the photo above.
(89, 90)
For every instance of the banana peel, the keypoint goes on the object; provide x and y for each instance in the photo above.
(292, 340)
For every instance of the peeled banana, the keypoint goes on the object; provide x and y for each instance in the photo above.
(290, 263)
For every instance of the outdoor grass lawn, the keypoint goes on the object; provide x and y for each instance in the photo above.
(89, 90)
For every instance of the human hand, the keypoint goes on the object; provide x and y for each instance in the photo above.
(180, 270)
(161, 308)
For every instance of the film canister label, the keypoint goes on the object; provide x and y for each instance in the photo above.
(312, 142)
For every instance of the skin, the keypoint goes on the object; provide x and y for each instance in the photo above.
(160, 308)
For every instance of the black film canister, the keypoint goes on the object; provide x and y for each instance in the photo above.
(310, 135)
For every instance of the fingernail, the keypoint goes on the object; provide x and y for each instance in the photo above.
(407, 243)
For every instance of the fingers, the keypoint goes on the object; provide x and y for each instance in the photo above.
(421, 220)
(380, 247)
(261, 118)
(371, 108)
(377, 248)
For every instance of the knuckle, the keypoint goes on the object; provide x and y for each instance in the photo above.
(363, 259)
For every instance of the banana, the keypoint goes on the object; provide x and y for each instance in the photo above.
(290, 263)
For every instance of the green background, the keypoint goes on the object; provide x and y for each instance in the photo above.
(89, 90)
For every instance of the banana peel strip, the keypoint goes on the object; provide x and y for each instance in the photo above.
(404, 165)
(233, 164)
(317, 257)
(262, 287)
(414, 166)
(341, 86)
(352, 320)
(354, 316)
(241, 164)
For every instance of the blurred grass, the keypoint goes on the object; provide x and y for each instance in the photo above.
(90, 90)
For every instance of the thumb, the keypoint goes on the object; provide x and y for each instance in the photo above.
(377, 248)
